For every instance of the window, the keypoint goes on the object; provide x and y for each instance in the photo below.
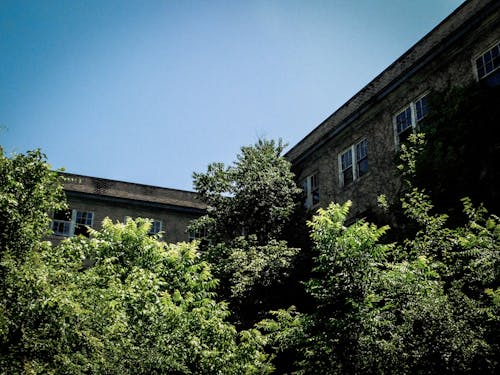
(155, 227)
(409, 118)
(197, 234)
(488, 62)
(362, 158)
(82, 221)
(310, 187)
(353, 162)
(71, 222)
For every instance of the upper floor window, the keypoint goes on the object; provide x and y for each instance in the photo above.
(72, 222)
(197, 234)
(409, 118)
(310, 186)
(353, 162)
(488, 62)
(156, 226)
(61, 223)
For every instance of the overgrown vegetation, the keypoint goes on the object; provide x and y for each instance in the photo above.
(140, 307)
(460, 158)
(429, 304)
(121, 301)
(249, 205)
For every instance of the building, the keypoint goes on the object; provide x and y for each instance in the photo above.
(352, 154)
(91, 199)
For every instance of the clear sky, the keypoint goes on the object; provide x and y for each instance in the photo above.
(150, 91)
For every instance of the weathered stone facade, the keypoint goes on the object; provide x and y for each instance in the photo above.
(445, 57)
(172, 209)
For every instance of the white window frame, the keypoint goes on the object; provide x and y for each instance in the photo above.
(310, 186)
(72, 223)
(413, 118)
(195, 234)
(352, 149)
(481, 56)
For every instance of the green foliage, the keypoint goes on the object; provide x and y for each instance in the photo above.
(249, 204)
(29, 190)
(255, 196)
(461, 153)
(345, 265)
(427, 305)
(141, 307)
(254, 278)
(119, 302)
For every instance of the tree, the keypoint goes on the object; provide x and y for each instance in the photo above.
(120, 301)
(249, 205)
(429, 304)
(29, 190)
(255, 196)
(142, 307)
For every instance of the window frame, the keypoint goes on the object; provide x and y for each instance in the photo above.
(414, 121)
(355, 163)
(197, 234)
(72, 223)
(475, 68)
(310, 187)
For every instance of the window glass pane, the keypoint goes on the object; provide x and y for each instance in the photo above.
(347, 175)
(404, 135)
(403, 120)
(84, 218)
(488, 67)
(479, 63)
(494, 52)
(362, 150)
(315, 197)
(81, 229)
(314, 181)
(304, 185)
(362, 167)
(61, 228)
(487, 56)
(362, 157)
(155, 227)
(346, 159)
(422, 107)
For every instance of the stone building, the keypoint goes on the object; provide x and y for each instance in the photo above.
(352, 154)
(91, 199)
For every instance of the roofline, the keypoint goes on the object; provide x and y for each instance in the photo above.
(394, 83)
(134, 202)
(127, 182)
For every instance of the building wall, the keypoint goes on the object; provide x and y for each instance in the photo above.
(440, 68)
(119, 200)
(174, 224)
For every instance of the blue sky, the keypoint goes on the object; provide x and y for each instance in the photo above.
(151, 91)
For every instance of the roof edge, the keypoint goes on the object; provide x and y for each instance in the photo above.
(420, 43)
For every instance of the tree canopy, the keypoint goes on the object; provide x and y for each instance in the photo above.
(254, 196)
(428, 304)
(118, 302)
(249, 205)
